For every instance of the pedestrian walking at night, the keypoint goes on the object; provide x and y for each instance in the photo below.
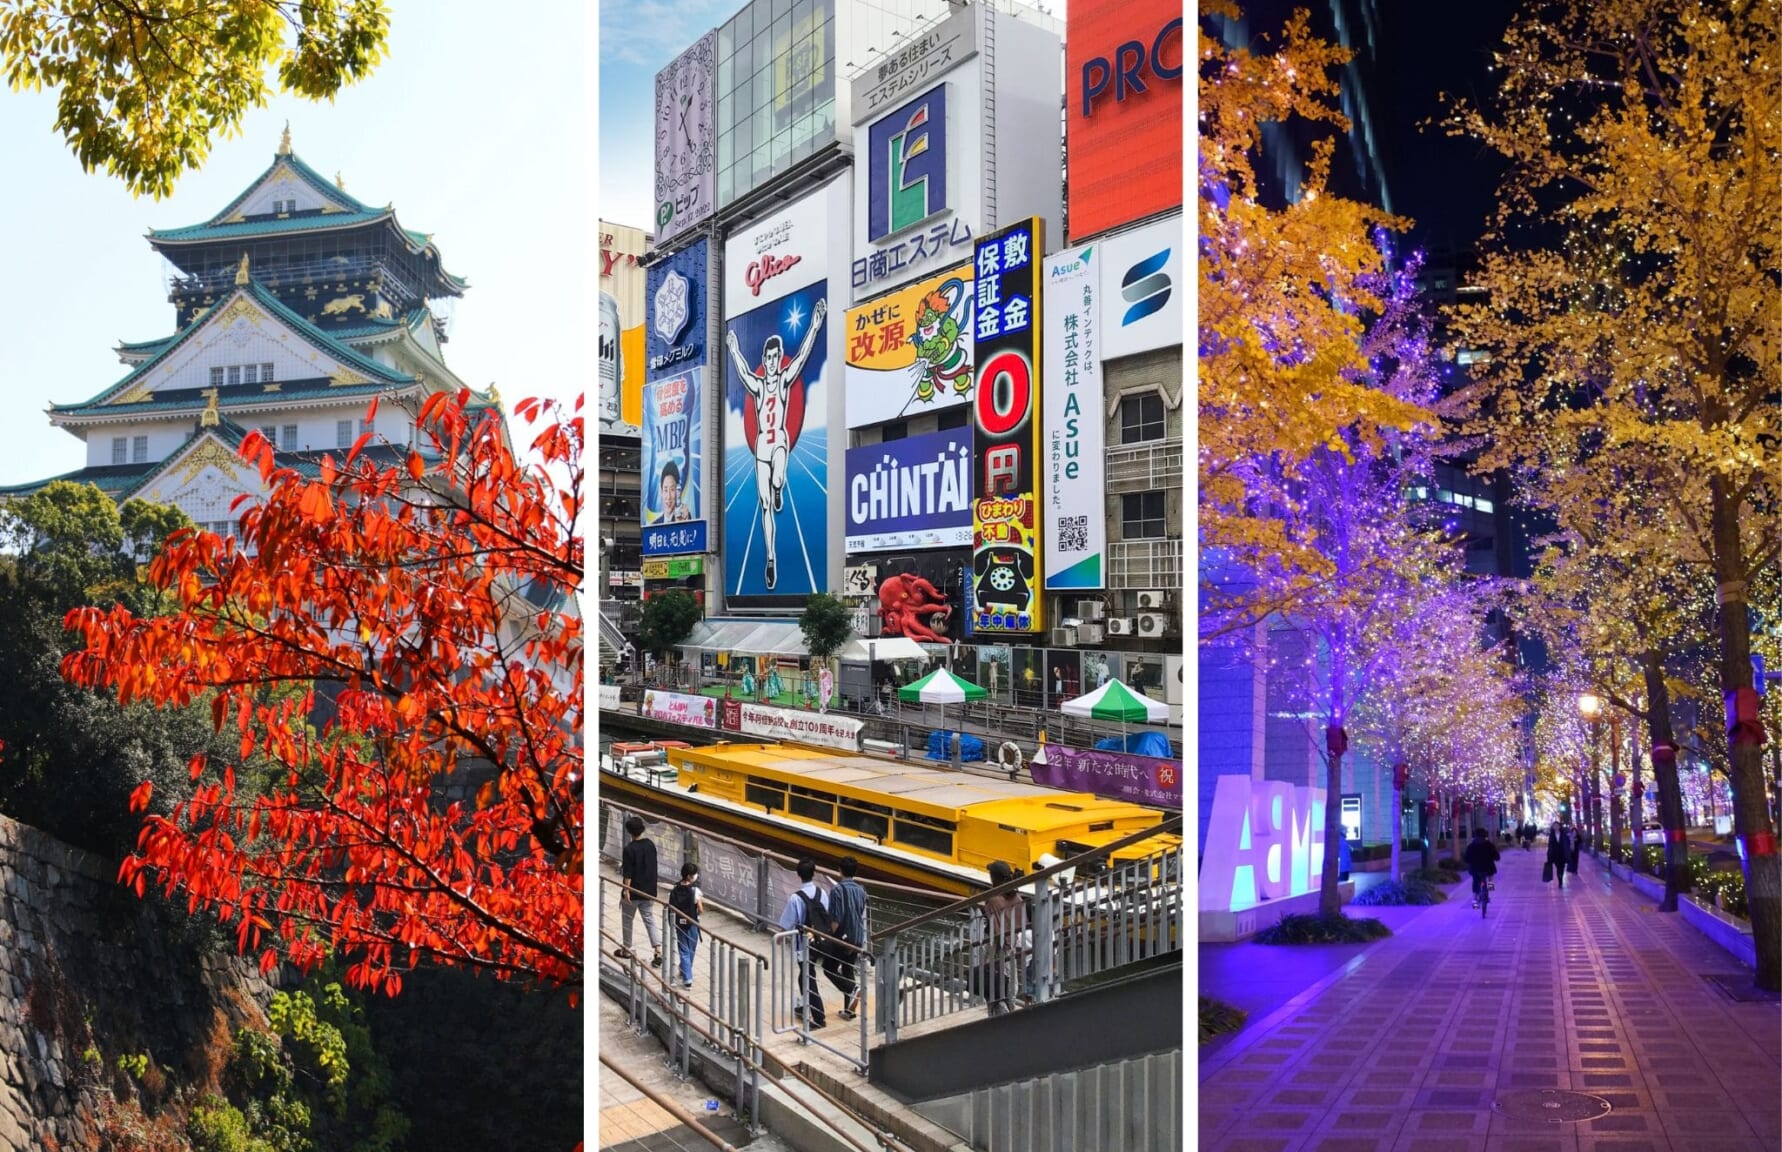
(637, 873)
(805, 908)
(1559, 851)
(847, 909)
(1481, 860)
(685, 903)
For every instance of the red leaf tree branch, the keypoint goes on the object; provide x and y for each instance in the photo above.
(429, 593)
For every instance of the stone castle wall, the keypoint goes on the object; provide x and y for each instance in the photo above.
(89, 973)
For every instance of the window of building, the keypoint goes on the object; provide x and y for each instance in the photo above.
(216, 377)
(288, 441)
(120, 445)
(367, 426)
(1141, 418)
(266, 373)
(250, 373)
(139, 450)
(343, 433)
(234, 374)
(269, 432)
(1141, 516)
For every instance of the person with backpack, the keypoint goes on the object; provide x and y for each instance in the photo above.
(805, 909)
(847, 910)
(1003, 924)
(637, 893)
(685, 903)
(1559, 853)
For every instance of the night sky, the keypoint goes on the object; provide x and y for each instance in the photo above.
(1447, 185)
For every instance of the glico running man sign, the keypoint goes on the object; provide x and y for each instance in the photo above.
(1006, 569)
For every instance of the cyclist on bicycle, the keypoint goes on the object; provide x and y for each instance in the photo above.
(1481, 860)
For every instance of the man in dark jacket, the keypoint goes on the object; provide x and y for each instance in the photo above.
(1481, 860)
(1559, 850)
(637, 870)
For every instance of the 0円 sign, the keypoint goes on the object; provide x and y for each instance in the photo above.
(1007, 578)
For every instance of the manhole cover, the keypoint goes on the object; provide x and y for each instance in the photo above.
(1554, 1105)
(1742, 989)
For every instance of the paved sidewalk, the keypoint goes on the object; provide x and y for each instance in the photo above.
(1435, 1039)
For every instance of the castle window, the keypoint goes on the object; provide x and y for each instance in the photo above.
(216, 377)
(139, 450)
(367, 426)
(119, 446)
(343, 433)
(266, 373)
(250, 374)
(269, 433)
(234, 374)
(289, 440)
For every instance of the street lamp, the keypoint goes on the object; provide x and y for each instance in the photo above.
(1591, 708)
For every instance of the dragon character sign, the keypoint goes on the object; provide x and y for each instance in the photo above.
(909, 352)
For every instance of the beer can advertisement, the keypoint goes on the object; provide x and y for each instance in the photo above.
(1007, 574)
(673, 520)
(1075, 489)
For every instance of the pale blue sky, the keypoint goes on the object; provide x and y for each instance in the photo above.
(476, 127)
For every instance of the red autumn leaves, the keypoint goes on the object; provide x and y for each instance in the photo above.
(429, 810)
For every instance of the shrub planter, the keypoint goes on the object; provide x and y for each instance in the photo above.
(1730, 932)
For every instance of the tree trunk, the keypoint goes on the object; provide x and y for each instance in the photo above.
(1398, 823)
(1614, 791)
(1330, 896)
(1751, 816)
(1670, 786)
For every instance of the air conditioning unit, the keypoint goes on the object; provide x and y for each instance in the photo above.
(1122, 626)
(1064, 637)
(1152, 600)
(1091, 609)
(1089, 633)
(1152, 623)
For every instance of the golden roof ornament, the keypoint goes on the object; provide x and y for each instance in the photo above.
(339, 180)
(284, 142)
(494, 394)
(210, 418)
(241, 273)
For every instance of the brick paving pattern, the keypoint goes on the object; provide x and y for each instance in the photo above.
(1428, 1043)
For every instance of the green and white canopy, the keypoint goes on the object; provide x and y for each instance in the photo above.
(940, 687)
(1115, 701)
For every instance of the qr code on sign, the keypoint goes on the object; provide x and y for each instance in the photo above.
(1073, 533)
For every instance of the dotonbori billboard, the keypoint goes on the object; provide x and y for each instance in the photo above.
(620, 338)
(909, 352)
(1123, 111)
(779, 377)
(1074, 467)
(1141, 289)
(910, 493)
(673, 436)
(1006, 569)
(675, 296)
(686, 140)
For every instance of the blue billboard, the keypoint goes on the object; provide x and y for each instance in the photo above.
(673, 513)
(674, 300)
(910, 493)
(776, 449)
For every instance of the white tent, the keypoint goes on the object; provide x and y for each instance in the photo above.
(859, 651)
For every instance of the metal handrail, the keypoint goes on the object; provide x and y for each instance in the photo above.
(1171, 825)
(758, 957)
(686, 1118)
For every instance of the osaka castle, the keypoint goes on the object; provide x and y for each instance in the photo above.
(293, 308)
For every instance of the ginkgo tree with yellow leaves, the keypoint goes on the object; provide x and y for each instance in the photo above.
(143, 88)
(1284, 297)
(1656, 127)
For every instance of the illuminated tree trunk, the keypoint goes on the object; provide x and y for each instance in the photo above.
(1751, 817)
(1670, 786)
(1615, 790)
(1336, 742)
(1399, 773)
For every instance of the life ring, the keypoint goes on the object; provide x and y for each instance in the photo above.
(1009, 756)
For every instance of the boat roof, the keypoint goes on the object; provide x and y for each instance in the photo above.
(920, 783)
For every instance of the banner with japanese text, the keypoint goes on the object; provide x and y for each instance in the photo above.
(1075, 489)
(1144, 780)
(1007, 576)
(804, 727)
(673, 444)
(681, 708)
(909, 352)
